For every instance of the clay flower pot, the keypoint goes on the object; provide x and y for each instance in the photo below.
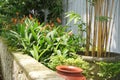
(70, 72)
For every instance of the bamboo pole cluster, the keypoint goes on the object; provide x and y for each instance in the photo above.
(99, 16)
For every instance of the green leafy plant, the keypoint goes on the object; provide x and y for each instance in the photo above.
(108, 70)
(41, 40)
(24, 34)
(79, 38)
(46, 43)
(70, 59)
(29, 38)
(36, 9)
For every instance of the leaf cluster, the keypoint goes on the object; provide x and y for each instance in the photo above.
(108, 70)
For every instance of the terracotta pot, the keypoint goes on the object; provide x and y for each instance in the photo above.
(70, 72)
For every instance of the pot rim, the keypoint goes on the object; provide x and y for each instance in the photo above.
(68, 69)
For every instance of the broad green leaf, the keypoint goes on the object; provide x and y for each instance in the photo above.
(15, 34)
(48, 46)
(34, 52)
(34, 34)
(65, 50)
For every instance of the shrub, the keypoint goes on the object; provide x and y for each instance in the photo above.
(108, 70)
(72, 60)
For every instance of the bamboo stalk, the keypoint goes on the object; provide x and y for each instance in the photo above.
(94, 33)
(90, 22)
(100, 30)
(87, 38)
(104, 28)
(95, 28)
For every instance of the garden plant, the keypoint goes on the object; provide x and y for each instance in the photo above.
(52, 43)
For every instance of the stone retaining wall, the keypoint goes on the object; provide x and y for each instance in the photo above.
(18, 66)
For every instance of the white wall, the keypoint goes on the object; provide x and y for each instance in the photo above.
(119, 27)
(115, 46)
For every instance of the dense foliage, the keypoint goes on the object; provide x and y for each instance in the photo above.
(36, 8)
(108, 70)
(46, 43)
(51, 44)
(42, 39)
(10, 10)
